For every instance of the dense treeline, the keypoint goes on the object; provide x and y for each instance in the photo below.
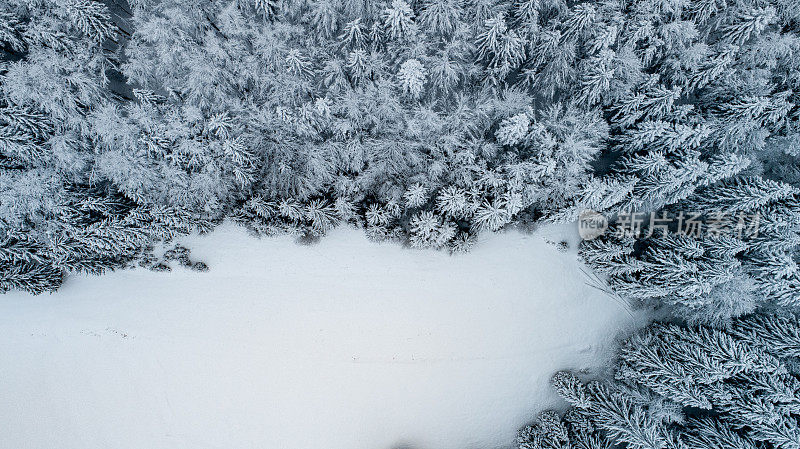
(415, 121)
(427, 121)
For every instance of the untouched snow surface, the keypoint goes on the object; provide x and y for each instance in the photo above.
(345, 344)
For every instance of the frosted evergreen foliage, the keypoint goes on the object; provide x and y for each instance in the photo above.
(513, 129)
(729, 387)
(424, 121)
(412, 77)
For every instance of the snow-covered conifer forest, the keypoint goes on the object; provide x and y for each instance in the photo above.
(130, 126)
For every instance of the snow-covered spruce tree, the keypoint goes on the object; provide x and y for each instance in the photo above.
(744, 259)
(58, 214)
(690, 101)
(283, 123)
(686, 387)
(703, 112)
(349, 105)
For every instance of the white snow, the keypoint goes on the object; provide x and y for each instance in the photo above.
(345, 344)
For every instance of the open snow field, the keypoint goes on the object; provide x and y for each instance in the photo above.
(346, 344)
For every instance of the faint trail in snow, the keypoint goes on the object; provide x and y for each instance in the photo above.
(594, 281)
(431, 360)
(405, 360)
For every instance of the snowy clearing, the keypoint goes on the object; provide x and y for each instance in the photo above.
(345, 344)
